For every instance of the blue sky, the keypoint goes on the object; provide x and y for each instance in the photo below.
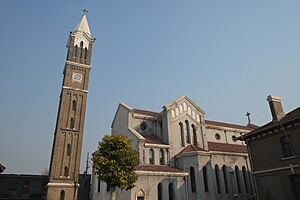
(227, 56)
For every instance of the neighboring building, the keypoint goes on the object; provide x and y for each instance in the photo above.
(66, 150)
(33, 187)
(2, 168)
(182, 156)
(274, 149)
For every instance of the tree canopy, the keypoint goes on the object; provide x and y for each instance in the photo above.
(115, 161)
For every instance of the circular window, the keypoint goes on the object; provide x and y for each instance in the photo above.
(143, 126)
(217, 136)
(234, 138)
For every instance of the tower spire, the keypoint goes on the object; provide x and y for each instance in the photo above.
(83, 25)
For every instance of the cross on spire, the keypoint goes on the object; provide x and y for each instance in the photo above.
(85, 11)
(248, 115)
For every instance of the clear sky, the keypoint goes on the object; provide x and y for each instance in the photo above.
(227, 56)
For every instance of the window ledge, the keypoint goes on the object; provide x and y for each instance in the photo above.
(288, 158)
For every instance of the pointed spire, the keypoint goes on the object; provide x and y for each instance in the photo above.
(83, 25)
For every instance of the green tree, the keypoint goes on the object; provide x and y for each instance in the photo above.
(114, 163)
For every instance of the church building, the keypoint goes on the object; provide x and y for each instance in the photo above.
(182, 155)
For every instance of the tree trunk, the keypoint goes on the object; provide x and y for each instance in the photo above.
(113, 193)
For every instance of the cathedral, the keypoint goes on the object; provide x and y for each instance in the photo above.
(182, 155)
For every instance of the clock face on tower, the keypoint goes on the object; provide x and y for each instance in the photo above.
(77, 77)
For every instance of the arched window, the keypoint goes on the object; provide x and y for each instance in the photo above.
(161, 157)
(204, 171)
(151, 156)
(74, 104)
(85, 54)
(245, 177)
(81, 49)
(171, 191)
(66, 171)
(194, 134)
(217, 178)
(69, 150)
(188, 135)
(62, 195)
(159, 191)
(224, 169)
(72, 123)
(237, 176)
(193, 179)
(76, 51)
(181, 134)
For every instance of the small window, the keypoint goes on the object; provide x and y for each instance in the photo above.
(81, 49)
(72, 123)
(98, 187)
(74, 104)
(171, 191)
(161, 157)
(245, 177)
(159, 191)
(218, 178)
(193, 179)
(181, 134)
(75, 52)
(188, 134)
(204, 171)
(237, 176)
(66, 171)
(62, 195)
(234, 138)
(224, 169)
(194, 135)
(85, 53)
(286, 146)
(217, 136)
(151, 156)
(69, 150)
(143, 126)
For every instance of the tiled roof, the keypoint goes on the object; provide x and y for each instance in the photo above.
(145, 112)
(215, 123)
(234, 148)
(191, 148)
(152, 139)
(157, 168)
(291, 116)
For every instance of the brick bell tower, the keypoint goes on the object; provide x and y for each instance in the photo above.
(66, 151)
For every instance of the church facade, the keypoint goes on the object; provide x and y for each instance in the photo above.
(182, 156)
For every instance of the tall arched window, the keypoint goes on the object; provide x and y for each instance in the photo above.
(204, 171)
(188, 134)
(224, 169)
(85, 54)
(159, 191)
(72, 123)
(74, 104)
(161, 157)
(217, 178)
(151, 156)
(171, 191)
(237, 176)
(181, 134)
(81, 49)
(69, 150)
(76, 51)
(66, 171)
(193, 179)
(194, 135)
(245, 177)
(62, 195)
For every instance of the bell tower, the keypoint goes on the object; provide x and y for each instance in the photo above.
(66, 151)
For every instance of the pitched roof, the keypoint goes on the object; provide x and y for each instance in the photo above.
(145, 112)
(157, 168)
(191, 148)
(83, 26)
(291, 116)
(234, 148)
(152, 139)
(215, 123)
